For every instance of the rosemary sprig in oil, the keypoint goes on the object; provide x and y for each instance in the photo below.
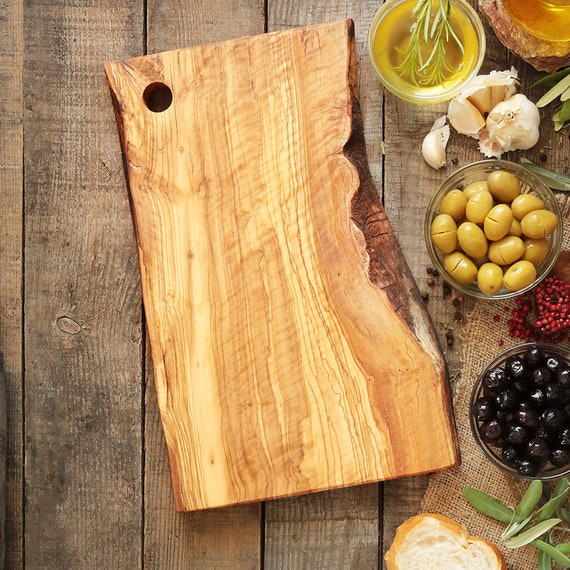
(426, 62)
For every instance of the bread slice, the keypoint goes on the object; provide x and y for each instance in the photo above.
(440, 543)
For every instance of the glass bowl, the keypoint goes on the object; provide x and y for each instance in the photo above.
(388, 38)
(530, 184)
(532, 441)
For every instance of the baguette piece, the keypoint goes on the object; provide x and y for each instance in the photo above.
(439, 543)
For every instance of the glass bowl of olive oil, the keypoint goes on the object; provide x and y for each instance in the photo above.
(426, 51)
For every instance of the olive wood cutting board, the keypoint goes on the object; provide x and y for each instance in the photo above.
(291, 348)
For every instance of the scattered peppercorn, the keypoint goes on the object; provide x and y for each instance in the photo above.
(430, 270)
(446, 290)
(425, 295)
(543, 157)
(430, 282)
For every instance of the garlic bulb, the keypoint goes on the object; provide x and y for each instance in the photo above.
(512, 124)
(489, 110)
(468, 110)
(434, 143)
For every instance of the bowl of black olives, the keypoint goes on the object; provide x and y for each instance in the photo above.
(492, 229)
(520, 411)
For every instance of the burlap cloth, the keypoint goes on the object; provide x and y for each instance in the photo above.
(480, 344)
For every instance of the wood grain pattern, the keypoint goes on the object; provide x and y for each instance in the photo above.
(288, 351)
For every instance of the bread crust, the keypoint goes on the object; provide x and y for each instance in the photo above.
(450, 525)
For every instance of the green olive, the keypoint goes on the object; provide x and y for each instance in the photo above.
(506, 250)
(444, 233)
(524, 204)
(472, 189)
(472, 240)
(539, 224)
(535, 250)
(454, 203)
(460, 267)
(503, 185)
(478, 206)
(519, 275)
(515, 229)
(490, 278)
(498, 222)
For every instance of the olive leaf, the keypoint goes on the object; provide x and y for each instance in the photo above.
(556, 500)
(544, 561)
(550, 79)
(552, 552)
(531, 534)
(488, 505)
(552, 179)
(554, 92)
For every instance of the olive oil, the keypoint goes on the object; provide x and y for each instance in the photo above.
(391, 40)
(546, 19)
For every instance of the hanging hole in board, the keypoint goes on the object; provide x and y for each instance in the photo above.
(157, 97)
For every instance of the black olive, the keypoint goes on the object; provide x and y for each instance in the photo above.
(537, 449)
(509, 453)
(560, 457)
(491, 432)
(528, 418)
(515, 368)
(494, 379)
(541, 376)
(507, 399)
(556, 395)
(517, 435)
(484, 409)
(552, 362)
(553, 419)
(537, 397)
(533, 357)
(563, 438)
(526, 467)
(563, 375)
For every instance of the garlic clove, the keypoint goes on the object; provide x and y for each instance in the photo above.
(434, 143)
(465, 118)
(485, 91)
(513, 124)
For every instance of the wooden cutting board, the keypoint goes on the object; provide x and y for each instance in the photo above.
(291, 349)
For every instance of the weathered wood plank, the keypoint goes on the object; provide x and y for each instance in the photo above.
(221, 538)
(11, 259)
(82, 303)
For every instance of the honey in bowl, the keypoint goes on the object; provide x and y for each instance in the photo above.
(545, 19)
(389, 44)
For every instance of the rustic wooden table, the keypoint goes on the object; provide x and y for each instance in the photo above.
(88, 477)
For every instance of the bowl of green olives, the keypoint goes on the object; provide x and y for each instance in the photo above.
(520, 411)
(493, 229)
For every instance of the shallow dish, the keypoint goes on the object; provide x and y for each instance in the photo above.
(388, 38)
(479, 172)
(520, 413)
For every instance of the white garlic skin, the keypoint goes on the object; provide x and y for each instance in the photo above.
(434, 143)
(513, 124)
